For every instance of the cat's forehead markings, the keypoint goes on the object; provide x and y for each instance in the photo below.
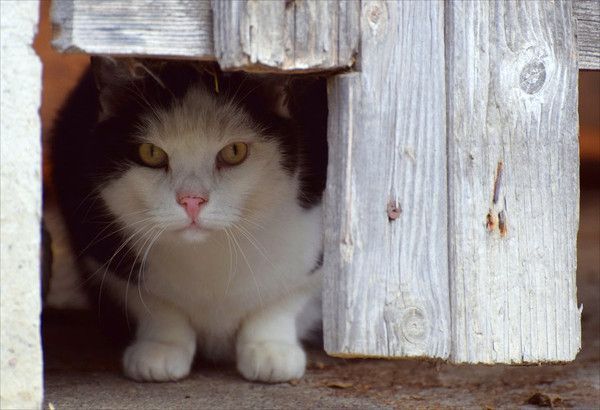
(196, 124)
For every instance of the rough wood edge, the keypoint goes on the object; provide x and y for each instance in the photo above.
(587, 16)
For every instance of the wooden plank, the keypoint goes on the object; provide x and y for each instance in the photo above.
(386, 284)
(173, 28)
(267, 35)
(513, 181)
(285, 35)
(587, 13)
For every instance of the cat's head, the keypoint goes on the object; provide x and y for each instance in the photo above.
(187, 151)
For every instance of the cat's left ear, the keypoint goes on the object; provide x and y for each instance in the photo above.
(114, 76)
(280, 98)
(266, 93)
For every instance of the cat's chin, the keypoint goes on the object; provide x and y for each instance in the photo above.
(193, 234)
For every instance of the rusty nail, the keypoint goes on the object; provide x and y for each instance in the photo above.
(490, 219)
(502, 223)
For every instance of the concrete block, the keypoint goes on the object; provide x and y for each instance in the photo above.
(20, 207)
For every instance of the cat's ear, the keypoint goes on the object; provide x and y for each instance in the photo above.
(114, 77)
(280, 98)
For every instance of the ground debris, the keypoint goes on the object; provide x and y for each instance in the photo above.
(338, 384)
(543, 400)
(294, 382)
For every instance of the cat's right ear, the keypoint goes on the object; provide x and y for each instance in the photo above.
(113, 78)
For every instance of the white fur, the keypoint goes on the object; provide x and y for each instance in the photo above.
(236, 288)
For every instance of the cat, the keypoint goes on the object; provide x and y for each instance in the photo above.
(192, 198)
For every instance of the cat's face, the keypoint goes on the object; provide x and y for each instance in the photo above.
(196, 165)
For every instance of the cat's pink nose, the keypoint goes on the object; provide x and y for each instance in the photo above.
(191, 204)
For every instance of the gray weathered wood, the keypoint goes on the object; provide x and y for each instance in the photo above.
(513, 181)
(587, 13)
(169, 28)
(386, 283)
(257, 35)
(286, 35)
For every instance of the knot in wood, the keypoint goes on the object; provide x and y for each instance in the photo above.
(414, 325)
(393, 210)
(376, 16)
(532, 77)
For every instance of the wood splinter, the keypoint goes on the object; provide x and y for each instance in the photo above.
(498, 182)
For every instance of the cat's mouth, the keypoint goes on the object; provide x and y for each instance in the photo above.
(194, 231)
(194, 226)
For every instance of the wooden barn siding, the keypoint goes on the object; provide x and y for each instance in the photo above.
(513, 181)
(286, 35)
(184, 29)
(386, 283)
(173, 28)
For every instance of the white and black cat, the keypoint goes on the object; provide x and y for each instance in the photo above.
(192, 198)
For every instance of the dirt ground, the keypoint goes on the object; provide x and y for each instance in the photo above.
(82, 370)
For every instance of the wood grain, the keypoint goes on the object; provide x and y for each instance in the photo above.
(513, 181)
(587, 13)
(286, 35)
(255, 35)
(386, 284)
(173, 28)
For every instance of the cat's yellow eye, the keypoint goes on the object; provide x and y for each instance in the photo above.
(233, 154)
(153, 156)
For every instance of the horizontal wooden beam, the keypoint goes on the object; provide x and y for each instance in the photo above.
(184, 29)
(288, 36)
(172, 28)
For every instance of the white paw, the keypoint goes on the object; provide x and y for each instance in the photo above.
(271, 361)
(156, 362)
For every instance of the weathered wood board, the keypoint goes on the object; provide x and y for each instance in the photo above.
(513, 181)
(587, 15)
(167, 28)
(386, 284)
(258, 35)
(286, 35)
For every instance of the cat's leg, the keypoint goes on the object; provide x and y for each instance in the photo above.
(267, 346)
(164, 346)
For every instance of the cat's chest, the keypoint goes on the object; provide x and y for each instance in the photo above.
(235, 272)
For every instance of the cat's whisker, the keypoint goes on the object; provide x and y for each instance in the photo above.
(95, 240)
(231, 271)
(251, 270)
(254, 241)
(108, 263)
(148, 233)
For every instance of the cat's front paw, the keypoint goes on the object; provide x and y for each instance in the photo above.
(156, 362)
(271, 361)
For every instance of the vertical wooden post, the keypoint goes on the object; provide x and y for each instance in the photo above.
(513, 181)
(386, 283)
